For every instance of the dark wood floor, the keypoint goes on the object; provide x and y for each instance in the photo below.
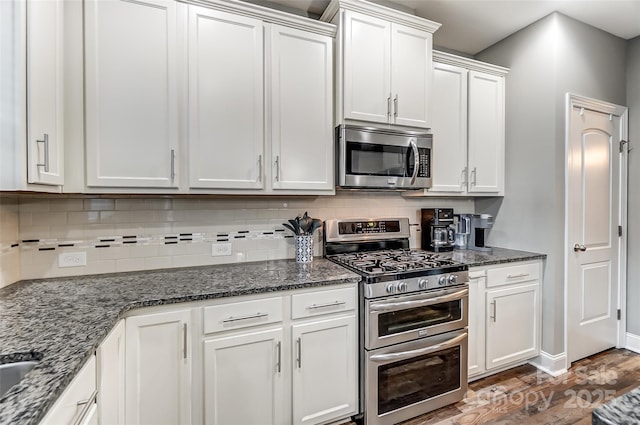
(524, 395)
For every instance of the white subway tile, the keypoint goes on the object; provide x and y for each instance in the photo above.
(164, 262)
(83, 217)
(115, 217)
(9, 267)
(94, 231)
(68, 204)
(34, 205)
(99, 204)
(129, 264)
(42, 218)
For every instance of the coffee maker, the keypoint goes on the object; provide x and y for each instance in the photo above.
(479, 223)
(437, 233)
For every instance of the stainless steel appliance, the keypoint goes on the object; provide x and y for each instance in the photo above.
(462, 225)
(373, 158)
(413, 319)
(479, 223)
(438, 234)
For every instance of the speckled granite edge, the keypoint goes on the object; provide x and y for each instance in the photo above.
(63, 321)
(623, 410)
(497, 256)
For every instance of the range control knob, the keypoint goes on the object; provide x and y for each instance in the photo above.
(391, 288)
(423, 283)
(442, 280)
(453, 279)
(402, 287)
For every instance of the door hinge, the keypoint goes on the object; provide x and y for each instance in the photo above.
(622, 143)
(619, 230)
(619, 314)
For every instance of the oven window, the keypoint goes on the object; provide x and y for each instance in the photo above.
(379, 160)
(417, 318)
(410, 381)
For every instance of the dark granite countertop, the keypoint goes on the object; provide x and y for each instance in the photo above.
(62, 321)
(498, 256)
(623, 410)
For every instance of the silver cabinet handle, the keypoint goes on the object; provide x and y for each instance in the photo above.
(395, 107)
(259, 168)
(389, 108)
(577, 247)
(184, 340)
(86, 407)
(473, 174)
(173, 165)
(420, 351)
(516, 276)
(277, 168)
(495, 309)
(333, 304)
(299, 356)
(279, 361)
(416, 160)
(252, 316)
(45, 141)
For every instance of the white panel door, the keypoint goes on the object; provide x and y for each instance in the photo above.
(243, 379)
(225, 100)
(325, 370)
(45, 92)
(158, 365)
(486, 133)
(410, 75)
(476, 342)
(367, 68)
(301, 109)
(110, 358)
(512, 332)
(131, 93)
(593, 218)
(449, 127)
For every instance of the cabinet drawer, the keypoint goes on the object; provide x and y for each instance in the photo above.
(512, 274)
(80, 393)
(242, 314)
(323, 302)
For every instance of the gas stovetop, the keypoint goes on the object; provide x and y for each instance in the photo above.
(392, 261)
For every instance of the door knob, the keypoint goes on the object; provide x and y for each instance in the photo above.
(577, 247)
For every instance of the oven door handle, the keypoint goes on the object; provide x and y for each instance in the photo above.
(381, 358)
(377, 307)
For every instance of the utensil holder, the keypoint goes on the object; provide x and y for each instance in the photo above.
(304, 249)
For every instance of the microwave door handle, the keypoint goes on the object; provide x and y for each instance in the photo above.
(416, 160)
(418, 303)
(403, 355)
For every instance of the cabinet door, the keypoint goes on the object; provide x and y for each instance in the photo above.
(110, 358)
(131, 93)
(449, 126)
(243, 379)
(367, 68)
(486, 133)
(476, 326)
(44, 92)
(411, 64)
(225, 100)
(512, 324)
(324, 370)
(301, 137)
(158, 364)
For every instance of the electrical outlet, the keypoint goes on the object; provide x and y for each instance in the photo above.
(220, 249)
(72, 259)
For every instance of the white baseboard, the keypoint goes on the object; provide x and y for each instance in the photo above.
(633, 342)
(552, 364)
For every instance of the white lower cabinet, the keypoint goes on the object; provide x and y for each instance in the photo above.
(158, 365)
(110, 358)
(504, 316)
(77, 404)
(324, 369)
(243, 379)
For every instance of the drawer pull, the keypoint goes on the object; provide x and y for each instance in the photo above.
(516, 276)
(86, 407)
(252, 316)
(333, 304)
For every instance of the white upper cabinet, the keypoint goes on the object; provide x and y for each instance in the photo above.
(131, 93)
(225, 100)
(301, 122)
(45, 92)
(383, 64)
(486, 132)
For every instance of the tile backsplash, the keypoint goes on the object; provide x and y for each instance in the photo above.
(140, 233)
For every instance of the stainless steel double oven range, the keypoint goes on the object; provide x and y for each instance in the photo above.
(413, 319)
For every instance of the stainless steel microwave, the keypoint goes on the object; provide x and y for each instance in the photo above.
(374, 158)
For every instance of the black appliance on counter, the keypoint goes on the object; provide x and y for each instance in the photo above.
(438, 234)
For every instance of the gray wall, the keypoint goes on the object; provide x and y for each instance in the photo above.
(633, 233)
(549, 58)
